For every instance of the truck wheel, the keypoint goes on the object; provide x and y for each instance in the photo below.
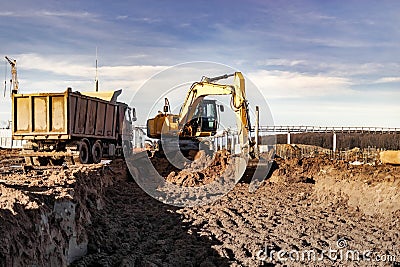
(97, 152)
(84, 153)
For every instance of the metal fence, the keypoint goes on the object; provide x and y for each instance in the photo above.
(320, 129)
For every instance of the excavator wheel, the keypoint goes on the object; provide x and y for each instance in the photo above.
(97, 152)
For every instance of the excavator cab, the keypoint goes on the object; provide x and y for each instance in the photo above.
(205, 118)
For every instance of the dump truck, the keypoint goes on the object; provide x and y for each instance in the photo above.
(73, 127)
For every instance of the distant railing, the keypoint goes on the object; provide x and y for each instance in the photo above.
(320, 129)
(228, 139)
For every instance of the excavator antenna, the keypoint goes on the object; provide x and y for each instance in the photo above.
(5, 78)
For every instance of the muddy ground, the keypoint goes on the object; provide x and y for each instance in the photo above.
(304, 206)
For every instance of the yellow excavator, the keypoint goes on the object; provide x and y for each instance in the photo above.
(198, 118)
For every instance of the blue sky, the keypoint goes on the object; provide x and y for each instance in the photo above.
(324, 63)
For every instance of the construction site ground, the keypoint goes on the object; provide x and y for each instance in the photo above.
(96, 215)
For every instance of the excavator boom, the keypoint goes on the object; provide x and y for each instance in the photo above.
(207, 87)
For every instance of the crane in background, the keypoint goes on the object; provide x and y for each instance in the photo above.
(14, 78)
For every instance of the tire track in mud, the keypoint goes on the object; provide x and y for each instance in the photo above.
(288, 217)
(137, 230)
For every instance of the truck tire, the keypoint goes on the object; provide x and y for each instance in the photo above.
(97, 152)
(84, 152)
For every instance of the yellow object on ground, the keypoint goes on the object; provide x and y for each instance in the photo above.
(390, 156)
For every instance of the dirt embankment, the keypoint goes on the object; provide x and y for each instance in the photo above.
(371, 189)
(44, 213)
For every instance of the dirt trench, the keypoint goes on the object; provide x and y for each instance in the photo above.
(44, 212)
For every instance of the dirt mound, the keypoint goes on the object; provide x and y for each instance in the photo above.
(10, 156)
(205, 169)
(297, 150)
(299, 170)
(371, 189)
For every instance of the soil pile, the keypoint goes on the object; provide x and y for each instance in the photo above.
(372, 189)
(203, 170)
(10, 156)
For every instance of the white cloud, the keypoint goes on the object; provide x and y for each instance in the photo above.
(280, 62)
(388, 80)
(7, 14)
(75, 66)
(147, 20)
(284, 84)
(121, 17)
(70, 14)
(128, 72)
(38, 73)
(47, 13)
(54, 65)
(331, 68)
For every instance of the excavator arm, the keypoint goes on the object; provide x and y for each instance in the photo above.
(238, 103)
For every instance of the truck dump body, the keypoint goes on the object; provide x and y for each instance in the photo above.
(71, 126)
(64, 116)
